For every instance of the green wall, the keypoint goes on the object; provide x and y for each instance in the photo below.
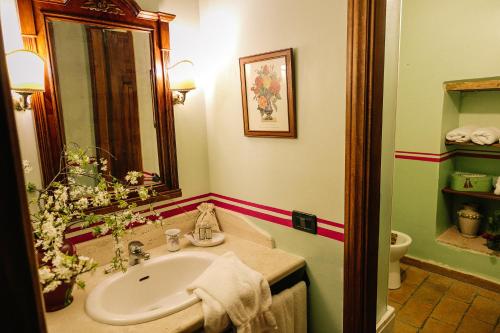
(442, 41)
(324, 269)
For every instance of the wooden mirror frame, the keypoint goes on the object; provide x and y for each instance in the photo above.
(34, 17)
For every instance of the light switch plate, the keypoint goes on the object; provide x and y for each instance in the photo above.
(304, 222)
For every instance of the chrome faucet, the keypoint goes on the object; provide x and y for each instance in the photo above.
(136, 253)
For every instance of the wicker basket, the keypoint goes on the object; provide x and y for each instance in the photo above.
(471, 182)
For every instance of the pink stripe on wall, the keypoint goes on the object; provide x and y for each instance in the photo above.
(206, 195)
(284, 221)
(249, 212)
(425, 159)
(248, 203)
(170, 213)
(417, 153)
(273, 219)
(272, 209)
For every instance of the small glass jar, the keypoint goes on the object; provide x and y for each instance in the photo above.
(172, 237)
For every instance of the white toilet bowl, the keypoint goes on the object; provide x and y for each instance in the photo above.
(398, 250)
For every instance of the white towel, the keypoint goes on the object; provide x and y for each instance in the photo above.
(461, 134)
(485, 135)
(231, 290)
(290, 309)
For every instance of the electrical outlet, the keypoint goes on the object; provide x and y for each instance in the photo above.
(304, 222)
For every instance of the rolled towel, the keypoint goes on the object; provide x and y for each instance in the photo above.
(461, 134)
(485, 135)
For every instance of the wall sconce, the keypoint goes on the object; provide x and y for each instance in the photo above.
(26, 74)
(181, 76)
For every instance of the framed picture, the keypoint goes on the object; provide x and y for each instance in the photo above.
(267, 94)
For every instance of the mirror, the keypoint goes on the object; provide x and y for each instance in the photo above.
(105, 88)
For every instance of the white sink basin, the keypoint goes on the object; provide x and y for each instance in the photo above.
(148, 291)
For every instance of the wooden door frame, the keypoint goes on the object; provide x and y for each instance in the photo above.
(21, 294)
(365, 77)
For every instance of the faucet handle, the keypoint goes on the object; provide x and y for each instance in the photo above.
(135, 247)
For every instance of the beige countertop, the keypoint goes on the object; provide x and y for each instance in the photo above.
(274, 264)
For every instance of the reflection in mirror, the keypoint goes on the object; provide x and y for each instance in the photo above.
(104, 83)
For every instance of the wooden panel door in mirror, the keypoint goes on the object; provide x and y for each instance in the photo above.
(114, 81)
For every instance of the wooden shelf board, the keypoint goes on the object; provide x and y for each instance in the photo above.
(485, 84)
(480, 195)
(470, 144)
(453, 237)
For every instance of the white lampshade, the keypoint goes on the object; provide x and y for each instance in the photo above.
(26, 71)
(181, 76)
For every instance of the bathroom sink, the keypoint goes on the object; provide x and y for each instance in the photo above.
(149, 290)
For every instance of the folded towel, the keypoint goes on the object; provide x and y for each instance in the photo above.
(485, 135)
(461, 134)
(231, 290)
(290, 309)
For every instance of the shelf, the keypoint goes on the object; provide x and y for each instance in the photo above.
(453, 237)
(479, 195)
(469, 144)
(485, 84)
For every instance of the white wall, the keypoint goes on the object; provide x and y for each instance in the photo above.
(190, 119)
(306, 173)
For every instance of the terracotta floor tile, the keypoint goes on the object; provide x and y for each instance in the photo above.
(402, 294)
(415, 275)
(450, 311)
(489, 294)
(471, 325)
(436, 326)
(400, 327)
(485, 309)
(415, 312)
(429, 293)
(462, 291)
(440, 280)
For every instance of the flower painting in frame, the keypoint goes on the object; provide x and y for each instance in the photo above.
(267, 94)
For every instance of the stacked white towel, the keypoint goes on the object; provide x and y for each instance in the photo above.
(231, 290)
(485, 135)
(461, 134)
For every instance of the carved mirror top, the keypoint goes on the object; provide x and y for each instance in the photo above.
(104, 6)
(113, 8)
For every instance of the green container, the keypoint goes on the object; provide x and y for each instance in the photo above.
(471, 182)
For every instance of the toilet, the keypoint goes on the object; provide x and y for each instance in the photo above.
(398, 250)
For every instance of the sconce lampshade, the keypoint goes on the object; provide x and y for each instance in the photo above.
(181, 76)
(26, 71)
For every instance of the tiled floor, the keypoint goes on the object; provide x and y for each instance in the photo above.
(432, 303)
